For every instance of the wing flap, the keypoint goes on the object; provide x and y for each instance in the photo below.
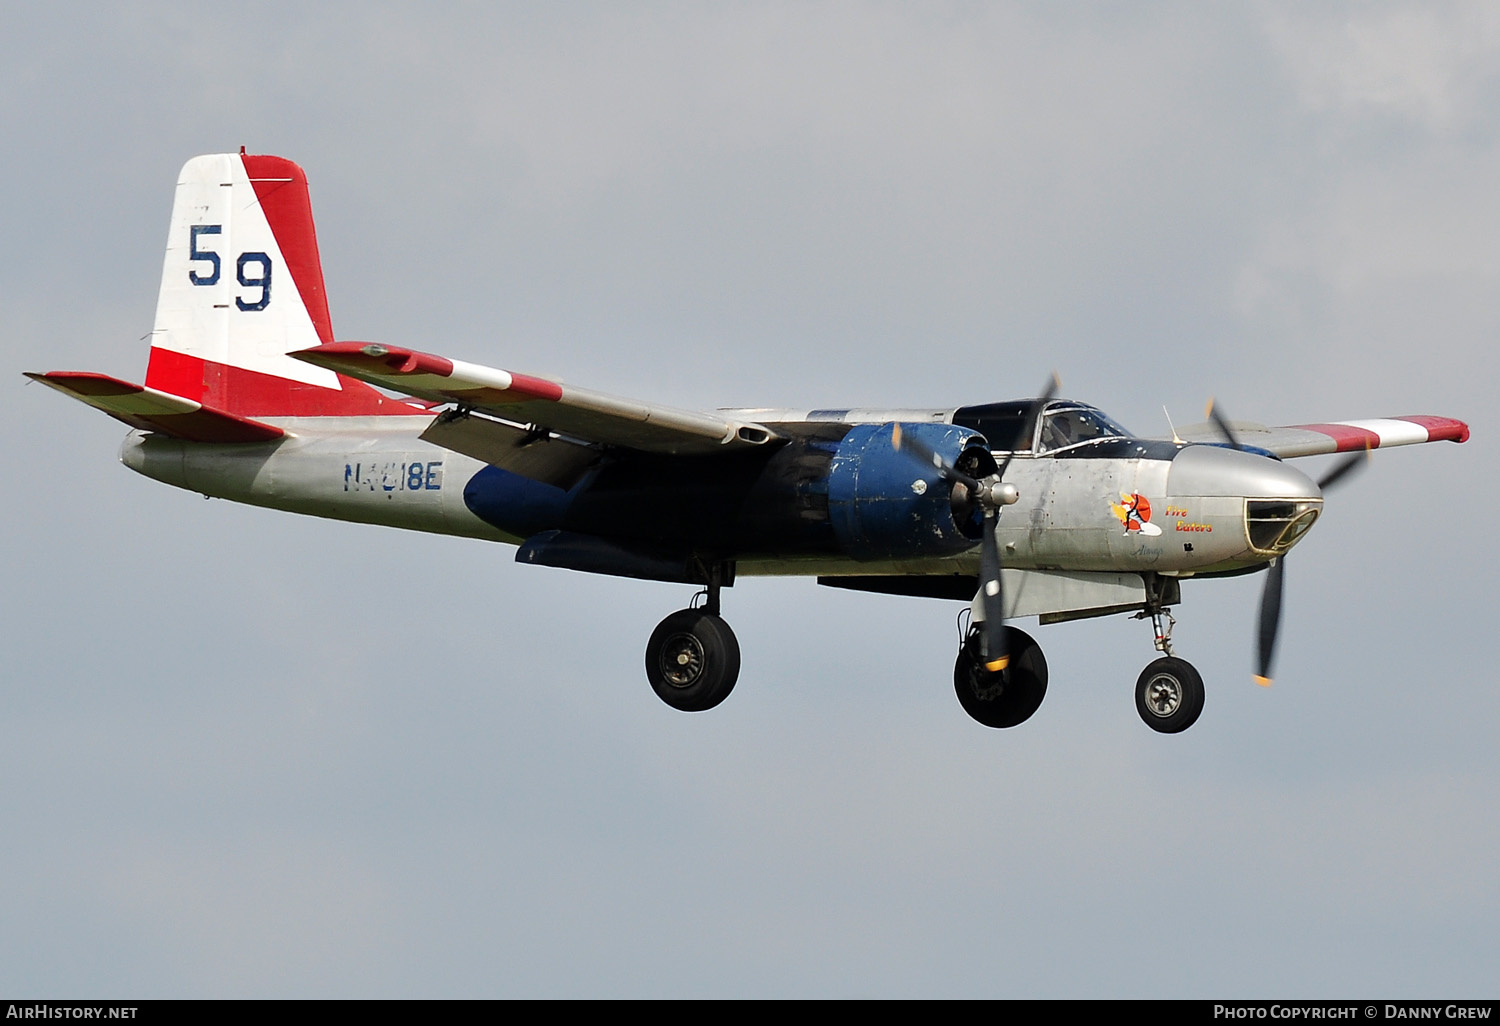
(532, 454)
(1339, 436)
(151, 410)
(566, 409)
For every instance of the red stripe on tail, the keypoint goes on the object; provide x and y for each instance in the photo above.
(264, 395)
(281, 187)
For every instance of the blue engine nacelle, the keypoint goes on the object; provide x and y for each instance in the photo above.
(890, 504)
(830, 489)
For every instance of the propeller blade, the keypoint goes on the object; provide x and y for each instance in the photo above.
(992, 641)
(1270, 596)
(1048, 392)
(991, 589)
(1343, 468)
(1213, 414)
(1270, 619)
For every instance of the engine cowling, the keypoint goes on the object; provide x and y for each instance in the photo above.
(885, 504)
(831, 489)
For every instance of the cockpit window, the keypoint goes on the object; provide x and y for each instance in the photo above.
(1067, 426)
(1011, 426)
(1007, 426)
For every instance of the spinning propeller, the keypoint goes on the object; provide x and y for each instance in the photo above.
(989, 495)
(1270, 597)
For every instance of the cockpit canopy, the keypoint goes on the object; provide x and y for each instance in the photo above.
(1012, 427)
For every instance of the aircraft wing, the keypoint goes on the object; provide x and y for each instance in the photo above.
(151, 410)
(580, 413)
(1340, 436)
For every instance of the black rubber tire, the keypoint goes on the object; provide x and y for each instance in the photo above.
(1169, 695)
(692, 660)
(1009, 697)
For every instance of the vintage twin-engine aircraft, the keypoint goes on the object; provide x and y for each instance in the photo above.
(1036, 507)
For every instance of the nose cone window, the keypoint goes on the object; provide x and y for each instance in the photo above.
(1275, 526)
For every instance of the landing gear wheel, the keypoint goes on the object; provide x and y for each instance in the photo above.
(1006, 698)
(692, 660)
(1169, 695)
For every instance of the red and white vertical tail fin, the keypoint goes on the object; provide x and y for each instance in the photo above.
(241, 287)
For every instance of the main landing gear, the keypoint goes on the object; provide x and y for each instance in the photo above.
(1007, 697)
(693, 658)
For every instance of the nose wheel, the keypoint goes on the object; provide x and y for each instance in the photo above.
(1169, 692)
(1169, 695)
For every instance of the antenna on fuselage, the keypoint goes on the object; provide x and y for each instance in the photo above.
(1171, 425)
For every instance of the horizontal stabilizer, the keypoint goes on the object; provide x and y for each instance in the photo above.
(567, 409)
(151, 410)
(1341, 436)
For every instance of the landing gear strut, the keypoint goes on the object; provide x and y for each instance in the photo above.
(1006, 698)
(693, 658)
(1169, 691)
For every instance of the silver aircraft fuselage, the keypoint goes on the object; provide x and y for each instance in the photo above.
(1085, 508)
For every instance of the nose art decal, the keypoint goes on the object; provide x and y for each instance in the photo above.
(1134, 512)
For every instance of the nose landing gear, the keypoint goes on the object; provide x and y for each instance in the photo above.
(1169, 691)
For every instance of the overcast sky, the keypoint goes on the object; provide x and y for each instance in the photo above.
(248, 753)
